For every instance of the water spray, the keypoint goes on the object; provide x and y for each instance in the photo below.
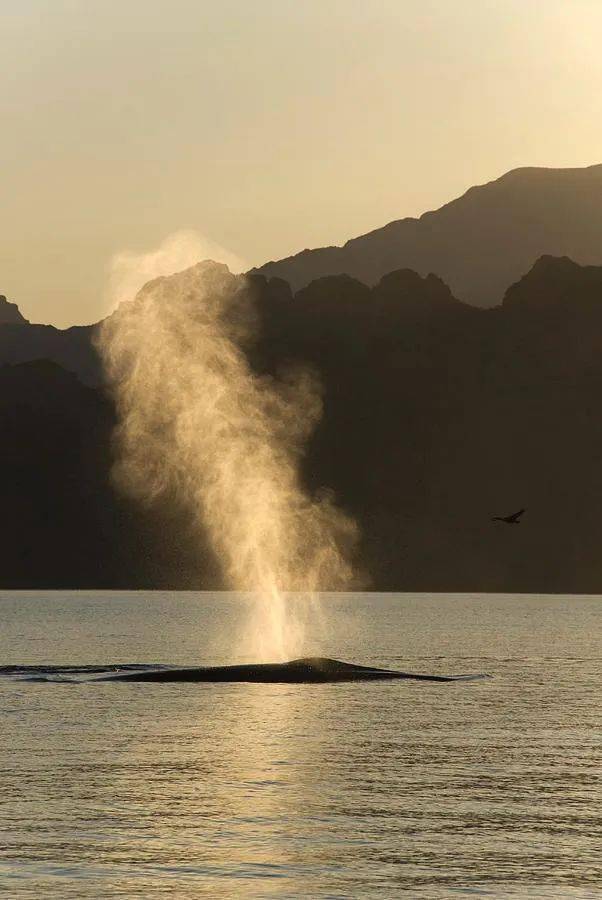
(196, 419)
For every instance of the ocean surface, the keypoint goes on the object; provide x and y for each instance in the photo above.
(367, 790)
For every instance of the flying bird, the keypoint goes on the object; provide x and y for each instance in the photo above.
(514, 519)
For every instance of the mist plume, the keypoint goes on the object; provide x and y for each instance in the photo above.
(130, 270)
(196, 419)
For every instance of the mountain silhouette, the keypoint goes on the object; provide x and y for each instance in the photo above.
(436, 414)
(478, 244)
(10, 313)
(72, 348)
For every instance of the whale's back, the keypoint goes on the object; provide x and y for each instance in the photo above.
(315, 669)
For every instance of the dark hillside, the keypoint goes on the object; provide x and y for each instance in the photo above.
(480, 243)
(437, 416)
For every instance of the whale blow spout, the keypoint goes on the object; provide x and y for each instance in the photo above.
(298, 671)
(198, 425)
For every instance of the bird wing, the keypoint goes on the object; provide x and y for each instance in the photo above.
(515, 516)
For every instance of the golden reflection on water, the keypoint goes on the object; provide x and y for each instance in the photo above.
(364, 790)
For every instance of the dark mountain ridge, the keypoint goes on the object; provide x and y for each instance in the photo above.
(10, 313)
(479, 243)
(72, 348)
(437, 416)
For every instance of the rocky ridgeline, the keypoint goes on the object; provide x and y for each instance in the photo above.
(10, 313)
(437, 415)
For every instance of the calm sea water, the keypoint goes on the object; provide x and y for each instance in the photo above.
(369, 790)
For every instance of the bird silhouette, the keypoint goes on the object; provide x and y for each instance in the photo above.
(514, 519)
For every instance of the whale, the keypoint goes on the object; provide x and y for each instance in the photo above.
(308, 670)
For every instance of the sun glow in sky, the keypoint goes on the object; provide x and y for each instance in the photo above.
(268, 126)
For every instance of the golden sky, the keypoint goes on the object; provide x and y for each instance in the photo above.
(267, 125)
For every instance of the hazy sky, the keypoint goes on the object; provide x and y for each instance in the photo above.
(267, 125)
